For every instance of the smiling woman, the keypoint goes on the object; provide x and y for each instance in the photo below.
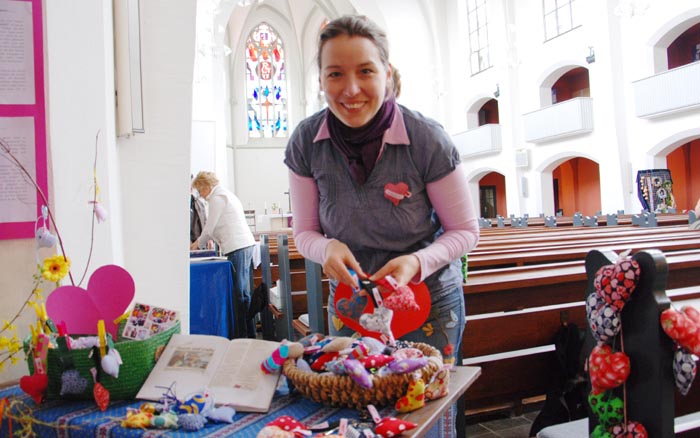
(373, 184)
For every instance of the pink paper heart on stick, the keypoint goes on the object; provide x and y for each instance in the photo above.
(110, 291)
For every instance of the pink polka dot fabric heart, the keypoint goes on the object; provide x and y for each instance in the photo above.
(109, 293)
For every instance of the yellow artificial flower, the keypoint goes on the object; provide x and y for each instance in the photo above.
(55, 268)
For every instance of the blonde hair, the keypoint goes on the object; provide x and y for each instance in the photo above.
(205, 179)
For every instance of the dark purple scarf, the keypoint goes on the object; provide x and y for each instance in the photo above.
(361, 145)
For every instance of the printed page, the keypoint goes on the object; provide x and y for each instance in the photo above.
(186, 366)
(240, 382)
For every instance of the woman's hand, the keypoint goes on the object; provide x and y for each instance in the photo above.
(402, 268)
(338, 259)
(194, 245)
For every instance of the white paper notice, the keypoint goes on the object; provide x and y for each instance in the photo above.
(16, 53)
(17, 194)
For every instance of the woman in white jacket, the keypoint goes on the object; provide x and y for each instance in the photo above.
(227, 226)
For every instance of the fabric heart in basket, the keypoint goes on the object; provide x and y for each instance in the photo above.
(340, 390)
(349, 306)
(108, 295)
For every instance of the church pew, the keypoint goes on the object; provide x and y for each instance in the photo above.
(576, 252)
(513, 315)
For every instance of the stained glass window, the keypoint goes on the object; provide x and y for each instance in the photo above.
(266, 84)
(479, 55)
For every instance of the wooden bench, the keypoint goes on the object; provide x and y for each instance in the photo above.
(514, 313)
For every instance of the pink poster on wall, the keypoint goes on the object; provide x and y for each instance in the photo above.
(22, 118)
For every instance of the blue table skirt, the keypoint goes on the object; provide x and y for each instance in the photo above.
(211, 298)
(87, 421)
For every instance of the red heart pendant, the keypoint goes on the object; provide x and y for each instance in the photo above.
(403, 321)
(35, 386)
(101, 395)
(607, 369)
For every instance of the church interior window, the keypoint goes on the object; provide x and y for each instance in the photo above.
(266, 84)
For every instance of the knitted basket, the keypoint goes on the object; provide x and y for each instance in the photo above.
(138, 357)
(336, 390)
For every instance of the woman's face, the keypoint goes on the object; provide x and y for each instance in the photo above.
(353, 78)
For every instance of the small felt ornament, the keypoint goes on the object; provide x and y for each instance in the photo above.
(274, 432)
(165, 420)
(601, 432)
(632, 429)
(35, 386)
(407, 365)
(681, 328)
(437, 387)
(72, 382)
(375, 345)
(608, 410)
(604, 321)
(692, 313)
(303, 365)
(311, 339)
(407, 353)
(414, 398)
(358, 351)
(275, 361)
(191, 422)
(222, 414)
(99, 392)
(319, 364)
(376, 360)
(338, 344)
(390, 427)
(100, 212)
(379, 321)
(358, 373)
(337, 366)
(288, 423)
(684, 370)
(137, 419)
(607, 369)
(111, 361)
(195, 403)
(296, 349)
(401, 300)
(615, 283)
(351, 306)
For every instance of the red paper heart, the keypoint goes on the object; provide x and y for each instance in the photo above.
(35, 386)
(108, 295)
(607, 369)
(403, 321)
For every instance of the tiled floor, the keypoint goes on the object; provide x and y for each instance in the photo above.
(502, 424)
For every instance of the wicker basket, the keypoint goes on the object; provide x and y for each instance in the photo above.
(138, 359)
(336, 390)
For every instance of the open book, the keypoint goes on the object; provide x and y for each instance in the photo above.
(228, 369)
